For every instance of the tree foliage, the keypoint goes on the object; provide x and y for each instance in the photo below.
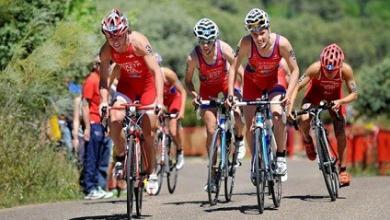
(374, 96)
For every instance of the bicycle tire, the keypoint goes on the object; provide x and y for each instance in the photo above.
(275, 188)
(213, 153)
(259, 172)
(231, 169)
(326, 164)
(160, 165)
(275, 185)
(138, 191)
(172, 172)
(130, 174)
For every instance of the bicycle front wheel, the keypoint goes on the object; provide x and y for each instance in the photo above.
(213, 183)
(275, 185)
(130, 174)
(275, 188)
(172, 174)
(139, 191)
(231, 153)
(260, 180)
(327, 165)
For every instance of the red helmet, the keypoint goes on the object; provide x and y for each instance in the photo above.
(332, 57)
(115, 23)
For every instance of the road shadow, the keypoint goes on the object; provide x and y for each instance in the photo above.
(112, 201)
(202, 203)
(110, 217)
(248, 210)
(311, 198)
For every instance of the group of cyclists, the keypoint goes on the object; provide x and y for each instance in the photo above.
(141, 78)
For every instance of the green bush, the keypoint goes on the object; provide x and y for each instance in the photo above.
(374, 97)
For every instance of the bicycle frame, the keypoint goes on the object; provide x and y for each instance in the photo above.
(225, 123)
(133, 156)
(264, 149)
(326, 161)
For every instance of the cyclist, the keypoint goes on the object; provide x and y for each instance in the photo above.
(326, 77)
(174, 100)
(264, 50)
(211, 57)
(140, 80)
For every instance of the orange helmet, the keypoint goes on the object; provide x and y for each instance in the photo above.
(115, 23)
(332, 57)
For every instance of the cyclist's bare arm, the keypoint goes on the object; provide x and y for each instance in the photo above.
(242, 52)
(190, 69)
(288, 54)
(228, 54)
(311, 72)
(171, 76)
(143, 48)
(283, 64)
(347, 74)
(114, 75)
(105, 58)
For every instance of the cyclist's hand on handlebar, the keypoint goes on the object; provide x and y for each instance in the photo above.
(196, 99)
(158, 109)
(336, 104)
(229, 102)
(286, 99)
(103, 109)
(180, 116)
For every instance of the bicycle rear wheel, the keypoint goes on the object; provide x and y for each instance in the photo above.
(327, 165)
(213, 182)
(160, 164)
(130, 174)
(172, 172)
(231, 169)
(259, 171)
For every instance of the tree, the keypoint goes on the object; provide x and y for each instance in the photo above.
(374, 96)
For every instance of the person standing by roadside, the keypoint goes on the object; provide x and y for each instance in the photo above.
(97, 144)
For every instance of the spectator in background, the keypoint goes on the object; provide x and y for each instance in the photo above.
(97, 144)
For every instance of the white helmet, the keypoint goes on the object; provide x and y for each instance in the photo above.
(206, 29)
(256, 20)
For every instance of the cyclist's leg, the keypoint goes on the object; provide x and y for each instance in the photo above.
(239, 127)
(116, 118)
(304, 127)
(250, 91)
(174, 125)
(209, 118)
(279, 132)
(339, 129)
(279, 124)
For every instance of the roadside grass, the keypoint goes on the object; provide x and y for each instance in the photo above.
(31, 169)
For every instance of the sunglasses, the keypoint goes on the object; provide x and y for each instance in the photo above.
(330, 68)
(256, 27)
(114, 36)
(208, 42)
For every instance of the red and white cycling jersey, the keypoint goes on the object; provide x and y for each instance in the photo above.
(261, 73)
(323, 88)
(135, 81)
(213, 77)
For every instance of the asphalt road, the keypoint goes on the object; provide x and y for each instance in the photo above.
(304, 197)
